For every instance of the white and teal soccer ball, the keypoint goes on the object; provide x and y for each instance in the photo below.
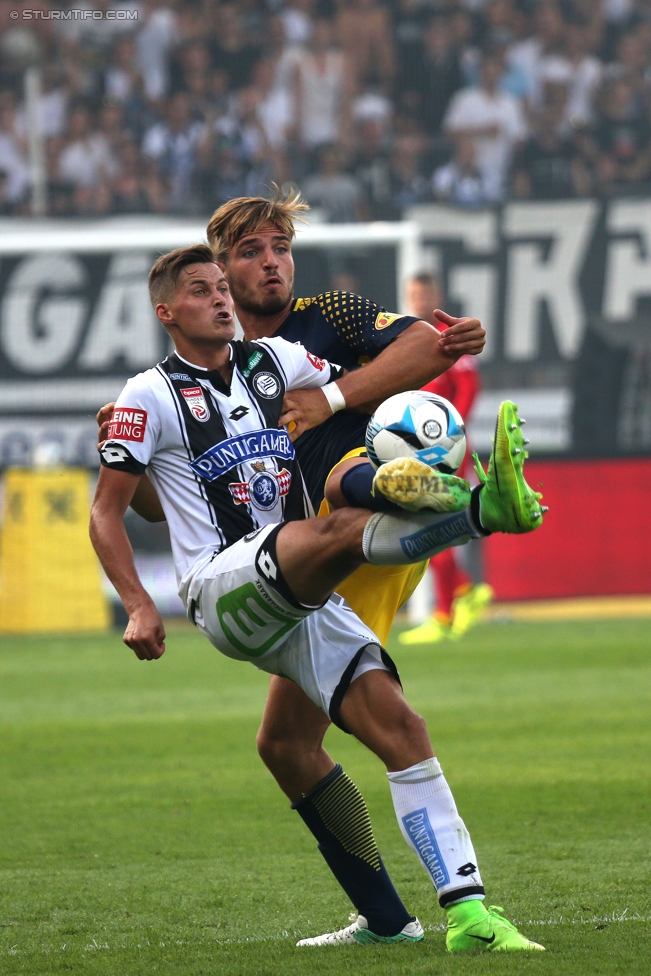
(417, 424)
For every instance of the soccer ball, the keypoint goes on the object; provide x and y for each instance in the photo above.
(417, 424)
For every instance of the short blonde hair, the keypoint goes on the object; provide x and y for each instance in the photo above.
(246, 215)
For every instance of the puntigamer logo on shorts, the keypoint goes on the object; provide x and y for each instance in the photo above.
(127, 425)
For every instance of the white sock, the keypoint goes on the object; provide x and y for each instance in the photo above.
(398, 538)
(430, 824)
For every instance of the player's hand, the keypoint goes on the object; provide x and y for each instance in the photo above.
(302, 410)
(103, 419)
(145, 634)
(462, 337)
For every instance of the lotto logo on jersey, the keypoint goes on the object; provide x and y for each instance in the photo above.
(385, 319)
(316, 362)
(127, 425)
(196, 401)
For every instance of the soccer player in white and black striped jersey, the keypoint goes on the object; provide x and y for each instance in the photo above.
(205, 424)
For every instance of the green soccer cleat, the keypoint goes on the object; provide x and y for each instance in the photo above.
(490, 933)
(506, 502)
(469, 608)
(414, 485)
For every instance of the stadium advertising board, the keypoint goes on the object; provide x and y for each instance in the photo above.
(564, 289)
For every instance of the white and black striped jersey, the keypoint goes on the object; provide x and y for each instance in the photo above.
(220, 464)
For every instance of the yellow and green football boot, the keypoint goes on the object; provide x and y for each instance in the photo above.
(477, 929)
(506, 502)
(414, 485)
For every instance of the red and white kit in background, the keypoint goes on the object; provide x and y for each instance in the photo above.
(460, 384)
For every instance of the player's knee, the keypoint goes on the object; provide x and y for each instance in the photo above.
(275, 750)
(411, 736)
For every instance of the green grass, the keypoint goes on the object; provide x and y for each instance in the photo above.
(140, 834)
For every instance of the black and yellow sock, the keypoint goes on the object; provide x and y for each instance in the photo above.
(336, 813)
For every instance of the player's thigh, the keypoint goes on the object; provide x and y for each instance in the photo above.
(291, 717)
(243, 605)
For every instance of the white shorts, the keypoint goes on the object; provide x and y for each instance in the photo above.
(242, 604)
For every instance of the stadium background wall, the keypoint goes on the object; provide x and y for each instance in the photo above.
(564, 289)
(596, 535)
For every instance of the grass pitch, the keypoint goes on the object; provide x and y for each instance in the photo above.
(140, 834)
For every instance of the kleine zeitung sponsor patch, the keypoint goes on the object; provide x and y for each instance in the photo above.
(127, 425)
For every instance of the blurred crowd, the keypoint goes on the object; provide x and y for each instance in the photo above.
(369, 106)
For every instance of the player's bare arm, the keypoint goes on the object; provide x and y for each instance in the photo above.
(416, 356)
(145, 633)
(145, 502)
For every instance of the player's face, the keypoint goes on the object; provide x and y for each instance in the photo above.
(260, 272)
(202, 307)
(422, 299)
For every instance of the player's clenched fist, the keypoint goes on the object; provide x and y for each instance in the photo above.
(145, 634)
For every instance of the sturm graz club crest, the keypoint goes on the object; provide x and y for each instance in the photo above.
(196, 401)
(266, 385)
(263, 490)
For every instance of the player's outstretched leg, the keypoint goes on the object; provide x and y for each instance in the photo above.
(507, 503)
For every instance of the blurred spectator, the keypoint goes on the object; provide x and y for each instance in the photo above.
(546, 41)
(123, 85)
(235, 52)
(633, 65)
(585, 73)
(86, 161)
(440, 73)
(364, 32)
(333, 190)
(122, 78)
(619, 145)
(53, 105)
(409, 27)
(548, 166)
(154, 42)
(371, 168)
(60, 192)
(460, 181)
(235, 158)
(135, 190)
(275, 106)
(172, 144)
(296, 19)
(322, 90)
(6, 206)
(493, 120)
(407, 182)
(13, 162)
(190, 66)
